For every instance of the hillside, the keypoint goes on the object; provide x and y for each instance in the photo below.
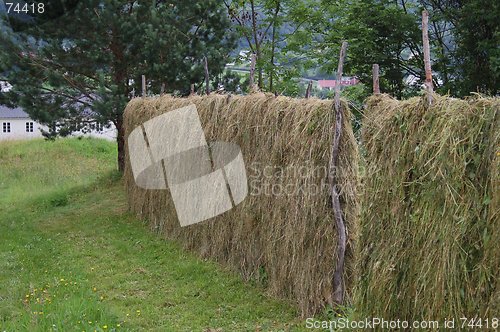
(73, 259)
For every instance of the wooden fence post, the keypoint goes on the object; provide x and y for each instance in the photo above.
(338, 275)
(192, 89)
(376, 80)
(144, 85)
(427, 56)
(253, 62)
(207, 78)
(309, 89)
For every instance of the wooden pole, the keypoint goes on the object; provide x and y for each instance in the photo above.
(338, 275)
(309, 89)
(340, 69)
(207, 78)
(376, 80)
(192, 89)
(144, 85)
(252, 72)
(162, 90)
(427, 56)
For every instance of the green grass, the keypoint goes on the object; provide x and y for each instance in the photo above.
(73, 259)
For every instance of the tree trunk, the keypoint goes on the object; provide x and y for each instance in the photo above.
(120, 78)
(256, 41)
(273, 46)
(120, 140)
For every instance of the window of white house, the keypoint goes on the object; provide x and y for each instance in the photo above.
(96, 126)
(6, 127)
(29, 127)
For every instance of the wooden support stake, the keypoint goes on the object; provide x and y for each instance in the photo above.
(309, 89)
(376, 80)
(144, 85)
(192, 89)
(162, 90)
(207, 78)
(427, 56)
(338, 275)
(252, 73)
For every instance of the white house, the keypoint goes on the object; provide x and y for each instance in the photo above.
(16, 124)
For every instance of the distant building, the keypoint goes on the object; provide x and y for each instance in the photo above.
(330, 84)
(15, 124)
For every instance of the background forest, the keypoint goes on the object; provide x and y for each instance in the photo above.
(81, 56)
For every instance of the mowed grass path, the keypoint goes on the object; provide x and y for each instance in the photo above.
(73, 259)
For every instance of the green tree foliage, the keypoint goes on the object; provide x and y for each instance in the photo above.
(228, 81)
(256, 21)
(292, 36)
(465, 39)
(378, 31)
(90, 57)
(467, 36)
(275, 31)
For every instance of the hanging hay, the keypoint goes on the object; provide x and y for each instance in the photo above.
(431, 213)
(282, 235)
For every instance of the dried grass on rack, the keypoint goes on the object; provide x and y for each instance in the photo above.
(285, 242)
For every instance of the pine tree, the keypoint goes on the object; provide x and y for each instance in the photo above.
(88, 56)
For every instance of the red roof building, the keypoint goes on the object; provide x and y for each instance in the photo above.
(330, 84)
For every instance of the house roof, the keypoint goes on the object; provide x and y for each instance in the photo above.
(327, 83)
(333, 83)
(85, 111)
(12, 113)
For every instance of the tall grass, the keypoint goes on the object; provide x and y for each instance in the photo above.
(38, 167)
(73, 259)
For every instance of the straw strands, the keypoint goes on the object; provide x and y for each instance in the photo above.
(431, 209)
(283, 234)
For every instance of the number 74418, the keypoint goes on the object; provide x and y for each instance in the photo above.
(33, 8)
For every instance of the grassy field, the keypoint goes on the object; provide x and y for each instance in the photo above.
(73, 259)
